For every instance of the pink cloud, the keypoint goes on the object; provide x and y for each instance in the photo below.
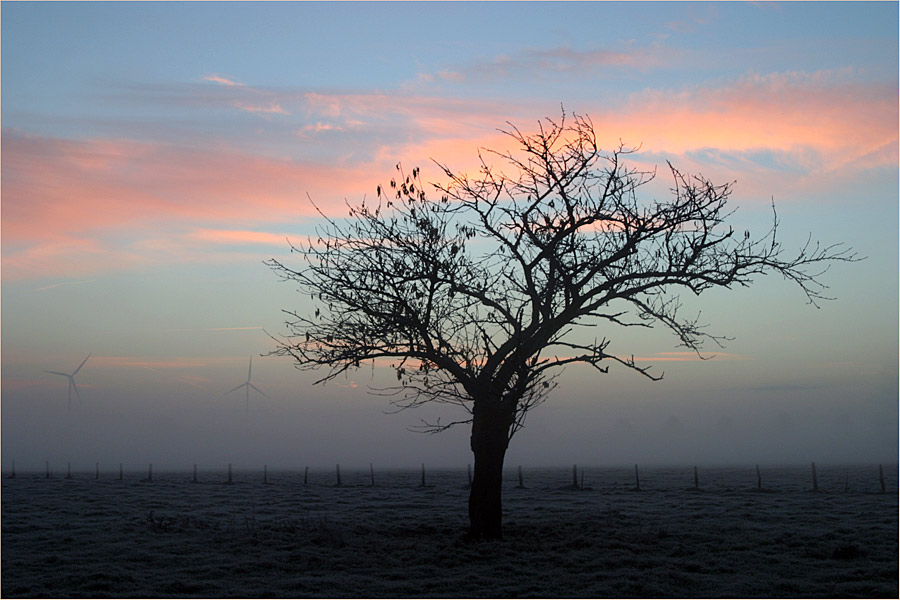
(535, 63)
(67, 256)
(54, 188)
(65, 202)
(810, 123)
(776, 133)
(93, 254)
(64, 199)
(270, 109)
(318, 127)
(222, 80)
(450, 75)
(816, 122)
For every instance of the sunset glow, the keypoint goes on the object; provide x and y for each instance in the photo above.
(150, 166)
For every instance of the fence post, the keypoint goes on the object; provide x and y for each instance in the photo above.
(575, 476)
(423, 476)
(881, 478)
(337, 469)
(637, 480)
(696, 479)
(305, 475)
(47, 465)
(120, 471)
(13, 476)
(194, 480)
(265, 474)
(815, 481)
(372, 474)
(758, 479)
(229, 473)
(68, 470)
(521, 485)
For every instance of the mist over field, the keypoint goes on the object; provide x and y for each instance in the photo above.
(768, 396)
(668, 425)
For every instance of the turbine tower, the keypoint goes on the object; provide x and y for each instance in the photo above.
(71, 382)
(248, 385)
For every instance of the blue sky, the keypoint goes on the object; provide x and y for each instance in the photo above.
(154, 154)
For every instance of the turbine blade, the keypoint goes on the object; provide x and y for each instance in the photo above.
(236, 388)
(77, 395)
(82, 363)
(57, 373)
(258, 390)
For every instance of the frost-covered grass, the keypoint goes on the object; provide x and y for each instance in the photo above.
(172, 538)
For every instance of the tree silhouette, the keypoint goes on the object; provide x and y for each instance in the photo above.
(473, 297)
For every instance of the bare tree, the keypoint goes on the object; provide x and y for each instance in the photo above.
(473, 297)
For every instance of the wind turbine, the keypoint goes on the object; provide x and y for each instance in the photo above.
(248, 385)
(71, 382)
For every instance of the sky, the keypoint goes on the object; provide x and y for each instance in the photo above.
(155, 154)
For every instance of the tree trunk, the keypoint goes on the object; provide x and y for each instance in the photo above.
(490, 438)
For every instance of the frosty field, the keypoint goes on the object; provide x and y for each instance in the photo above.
(83, 537)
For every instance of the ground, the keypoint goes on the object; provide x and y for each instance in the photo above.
(173, 538)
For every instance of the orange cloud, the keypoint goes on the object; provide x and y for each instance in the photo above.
(822, 120)
(774, 133)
